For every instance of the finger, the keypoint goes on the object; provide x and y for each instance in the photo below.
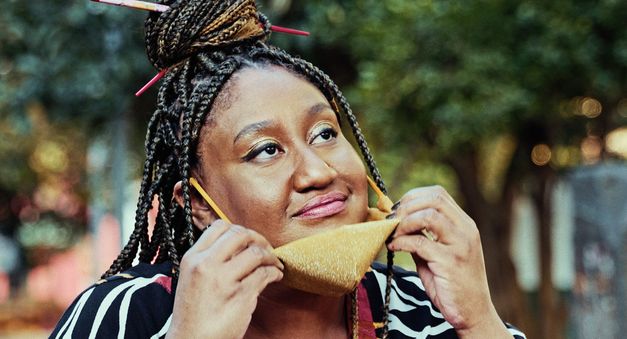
(426, 276)
(260, 240)
(431, 219)
(237, 239)
(260, 278)
(421, 265)
(230, 243)
(431, 197)
(250, 259)
(210, 235)
(427, 250)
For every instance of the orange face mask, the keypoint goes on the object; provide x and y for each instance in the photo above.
(333, 262)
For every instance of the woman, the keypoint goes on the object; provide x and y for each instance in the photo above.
(260, 131)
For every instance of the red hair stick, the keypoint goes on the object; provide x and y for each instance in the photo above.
(151, 82)
(280, 29)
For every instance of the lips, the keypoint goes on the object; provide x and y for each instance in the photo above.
(323, 206)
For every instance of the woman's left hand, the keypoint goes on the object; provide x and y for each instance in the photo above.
(451, 268)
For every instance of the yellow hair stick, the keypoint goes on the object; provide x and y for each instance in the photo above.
(208, 199)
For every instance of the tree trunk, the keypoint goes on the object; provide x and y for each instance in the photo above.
(552, 312)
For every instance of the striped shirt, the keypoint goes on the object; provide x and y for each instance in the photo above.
(138, 304)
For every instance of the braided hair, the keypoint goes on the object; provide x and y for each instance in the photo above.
(202, 44)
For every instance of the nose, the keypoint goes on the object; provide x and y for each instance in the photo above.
(312, 172)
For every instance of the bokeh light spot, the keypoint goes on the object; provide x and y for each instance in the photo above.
(616, 142)
(591, 108)
(591, 149)
(541, 154)
(49, 156)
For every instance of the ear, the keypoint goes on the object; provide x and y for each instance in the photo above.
(202, 213)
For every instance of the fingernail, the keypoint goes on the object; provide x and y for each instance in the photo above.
(391, 216)
(395, 206)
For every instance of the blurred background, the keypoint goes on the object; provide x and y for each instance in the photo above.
(518, 108)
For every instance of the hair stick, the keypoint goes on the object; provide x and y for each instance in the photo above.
(292, 31)
(208, 199)
(151, 82)
(147, 6)
(150, 6)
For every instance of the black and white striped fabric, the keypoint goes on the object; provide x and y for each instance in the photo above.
(412, 315)
(138, 304)
(135, 304)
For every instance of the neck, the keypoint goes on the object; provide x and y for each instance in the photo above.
(283, 312)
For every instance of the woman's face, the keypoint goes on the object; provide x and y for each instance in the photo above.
(274, 159)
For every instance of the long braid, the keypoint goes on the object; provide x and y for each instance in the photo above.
(187, 236)
(361, 142)
(162, 230)
(162, 174)
(159, 171)
(183, 86)
(388, 291)
(126, 256)
(167, 248)
(139, 235)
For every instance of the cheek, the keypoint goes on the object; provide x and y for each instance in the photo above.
(349, 165)
(259, 203)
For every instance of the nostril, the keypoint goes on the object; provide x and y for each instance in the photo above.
(308, 189)
(313, 173)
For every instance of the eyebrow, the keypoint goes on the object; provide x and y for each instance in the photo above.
(260, 125)
(317, 108)
(252, 129)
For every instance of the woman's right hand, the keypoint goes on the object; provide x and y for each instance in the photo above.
(220, 279)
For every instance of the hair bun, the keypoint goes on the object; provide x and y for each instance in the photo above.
(193, 25)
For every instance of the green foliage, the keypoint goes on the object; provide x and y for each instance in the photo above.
(81, 60)
(450, 75)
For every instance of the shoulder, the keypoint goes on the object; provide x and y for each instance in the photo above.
(411, 312)
(141, 297)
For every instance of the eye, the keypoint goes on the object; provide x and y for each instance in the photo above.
(263, 151)
(268, 151)
(325, 133)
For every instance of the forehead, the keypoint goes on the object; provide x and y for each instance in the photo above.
(266, 93)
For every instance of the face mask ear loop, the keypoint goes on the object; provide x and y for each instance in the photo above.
(210, 201)
(383, 202)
